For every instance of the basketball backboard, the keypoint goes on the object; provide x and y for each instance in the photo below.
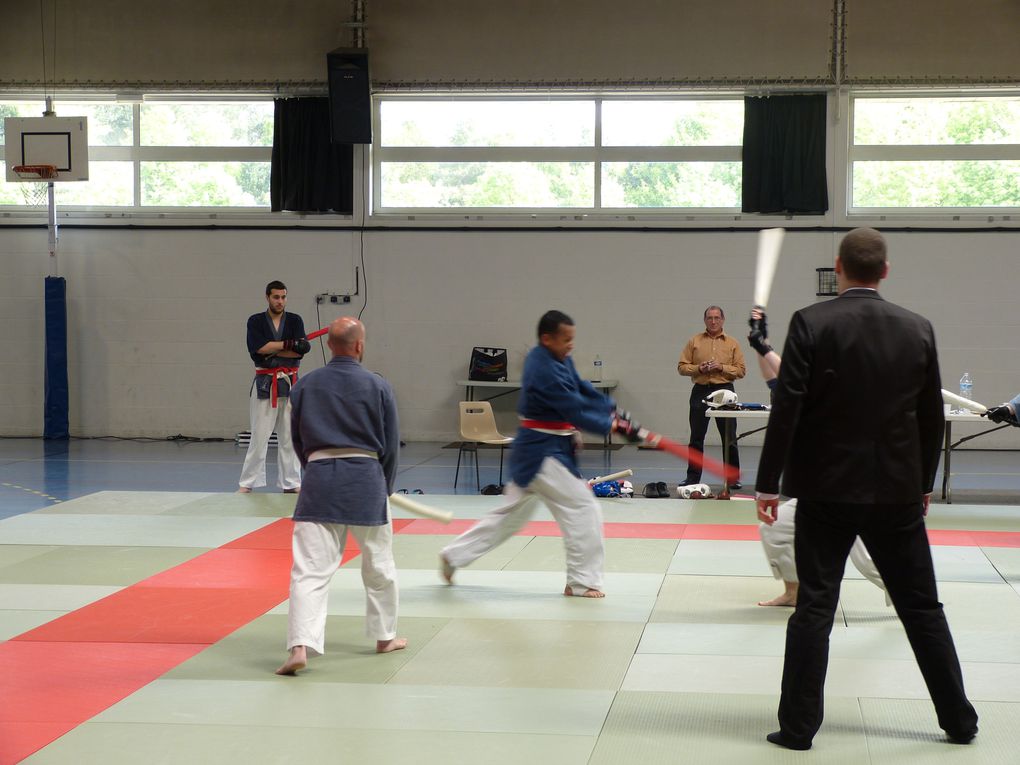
(59, 141)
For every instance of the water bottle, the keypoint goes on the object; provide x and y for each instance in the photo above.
(967, 387)
(596, 375)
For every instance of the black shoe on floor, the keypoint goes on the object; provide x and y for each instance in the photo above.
(780, 739)
(689, 482)
(736, 486)
(651, 490)
(662, 489)
(964, 738)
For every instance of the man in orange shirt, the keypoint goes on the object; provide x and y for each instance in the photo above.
(713, 360)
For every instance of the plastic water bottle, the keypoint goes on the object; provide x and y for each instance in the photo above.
(596, 375)
(967, 387)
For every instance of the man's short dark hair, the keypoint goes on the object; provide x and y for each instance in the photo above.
(863, 255)
(716, 308)
(550, 322)
(276, 284)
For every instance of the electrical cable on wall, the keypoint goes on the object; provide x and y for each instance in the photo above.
(364, 206)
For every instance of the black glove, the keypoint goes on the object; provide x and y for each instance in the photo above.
(625, 426)
(759, 342)
(759, 325)
(298, 345)
(1002, 414)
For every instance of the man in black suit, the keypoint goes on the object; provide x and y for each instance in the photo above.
(855, 431)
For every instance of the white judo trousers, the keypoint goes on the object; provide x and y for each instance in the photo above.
(777, 540)
(264, 420)
(318, 549)
(572, 505)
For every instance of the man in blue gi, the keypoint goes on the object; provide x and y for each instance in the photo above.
(346, 433)
(276, 343)
(555, 403)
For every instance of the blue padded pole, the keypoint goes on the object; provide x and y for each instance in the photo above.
(55, 407)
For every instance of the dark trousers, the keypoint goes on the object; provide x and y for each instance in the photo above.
(896, 538)
(699, 427)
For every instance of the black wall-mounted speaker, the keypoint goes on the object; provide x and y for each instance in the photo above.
(350, 96)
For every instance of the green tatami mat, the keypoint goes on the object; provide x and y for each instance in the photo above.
(712, 729)
(126, 502)
(52, 597)
(93, 564)
(12, 555)
(719, 557)
(963, 564)
(227, 504)
(1006, 561)
(257, 649)
(719, 599)
(626, 555)
(728, 512)
(974, 517)
(287, 702)
(480, 594)
(13, 622)
(704, 673)
(525, 654)
(112, 530)
(154, 744)
(421, 551)
(906, 732)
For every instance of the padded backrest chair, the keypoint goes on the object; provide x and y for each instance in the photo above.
(478, 426)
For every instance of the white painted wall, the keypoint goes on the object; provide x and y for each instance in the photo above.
(157, 317)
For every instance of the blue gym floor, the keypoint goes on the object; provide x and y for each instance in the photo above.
(35, 473)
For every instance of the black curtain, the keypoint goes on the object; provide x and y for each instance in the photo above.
(784, 155)
(310, 174)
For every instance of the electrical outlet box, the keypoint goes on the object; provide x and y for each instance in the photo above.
(332, 297)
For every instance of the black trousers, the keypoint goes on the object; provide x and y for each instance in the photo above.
(699, 427)
(896, 538)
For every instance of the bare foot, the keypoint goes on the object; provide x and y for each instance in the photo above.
(589, 593)
(782, 600)
(386, 646)
(297, 660)
(244, 490)
(788, 598)
(446, 570)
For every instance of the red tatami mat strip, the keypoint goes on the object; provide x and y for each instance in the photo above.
(703, 531)
(974, 538)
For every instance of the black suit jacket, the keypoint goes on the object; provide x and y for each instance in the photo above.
(857, 412)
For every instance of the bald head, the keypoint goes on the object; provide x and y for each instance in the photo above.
(862, 257)
(347, 337)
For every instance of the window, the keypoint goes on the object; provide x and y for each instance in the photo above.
(960, 151)
(578, 154)
(166, 155)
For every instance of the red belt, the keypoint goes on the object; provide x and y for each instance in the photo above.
(290, 372)
(546, 425)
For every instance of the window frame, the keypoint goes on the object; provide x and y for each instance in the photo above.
(597, 155)
(137, 154)
(921, 152)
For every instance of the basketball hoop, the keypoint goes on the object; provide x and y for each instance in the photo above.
(36, 172)
(36, 189)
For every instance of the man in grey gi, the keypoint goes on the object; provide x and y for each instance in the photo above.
(346, 434)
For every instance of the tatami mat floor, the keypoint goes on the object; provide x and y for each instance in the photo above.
(677, 664)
